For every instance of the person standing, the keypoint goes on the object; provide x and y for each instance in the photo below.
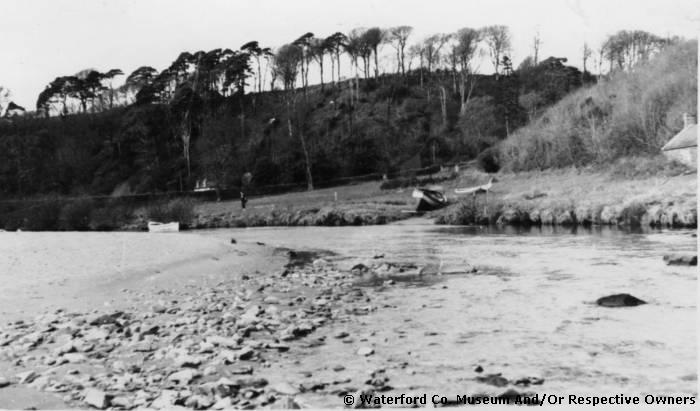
(245, 185)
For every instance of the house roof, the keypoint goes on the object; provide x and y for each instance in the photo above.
(688, 137)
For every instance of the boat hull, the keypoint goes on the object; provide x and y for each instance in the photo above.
(156, 227)
(429, 199)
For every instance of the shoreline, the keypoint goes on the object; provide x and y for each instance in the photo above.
(562, 197)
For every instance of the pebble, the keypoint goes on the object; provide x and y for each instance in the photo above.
(365, 351)
(4, 382)
(285, 388)
(96, 398)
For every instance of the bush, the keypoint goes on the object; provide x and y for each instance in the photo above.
(42, 215)
(179, 209)
(488, 160)
(644, 167)
(75, 215)
(631, 113)
(112, 216)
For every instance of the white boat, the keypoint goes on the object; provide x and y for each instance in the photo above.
(156, 227)
(475, 190)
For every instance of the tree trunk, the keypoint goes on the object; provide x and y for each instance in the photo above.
(443, 105)
(320, 65)
(376, 64)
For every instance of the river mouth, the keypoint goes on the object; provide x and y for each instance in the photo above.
(529, 309)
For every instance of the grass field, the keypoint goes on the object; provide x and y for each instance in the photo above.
(585, 192)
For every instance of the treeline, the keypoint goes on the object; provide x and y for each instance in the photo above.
(633, 112)
(208, 115)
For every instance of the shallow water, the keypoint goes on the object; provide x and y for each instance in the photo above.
(528, 311)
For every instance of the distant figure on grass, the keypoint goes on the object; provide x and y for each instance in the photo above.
(245, 185)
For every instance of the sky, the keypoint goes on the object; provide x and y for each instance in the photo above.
(43, 39)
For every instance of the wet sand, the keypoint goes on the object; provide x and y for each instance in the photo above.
(79, 271)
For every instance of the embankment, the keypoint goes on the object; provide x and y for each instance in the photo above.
(578, 197)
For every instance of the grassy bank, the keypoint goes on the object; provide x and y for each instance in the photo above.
(640, 191)
(631, 192)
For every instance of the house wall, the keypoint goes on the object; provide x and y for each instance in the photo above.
(687, 156)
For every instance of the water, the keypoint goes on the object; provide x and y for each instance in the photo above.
(528, 311)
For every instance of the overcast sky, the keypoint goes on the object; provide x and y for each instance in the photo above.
(43, 39)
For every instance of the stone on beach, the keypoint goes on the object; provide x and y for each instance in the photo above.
(96, 398)
(365, 351)
(680, 259)
(619, 300)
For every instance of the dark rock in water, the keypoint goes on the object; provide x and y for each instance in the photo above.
(619, 300)
(478, 369)
(530, 381)
(359, 269)
(514, 396)
(493, 379)
(233, 241)
(292, 254)
(679, 259)
(107, 319)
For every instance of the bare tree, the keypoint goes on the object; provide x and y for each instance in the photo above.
(398, 37)
(433, 45)
(4, 99)
(587, 52)
(287, 61)
(498, 41)
(536, 43)
(466, 48)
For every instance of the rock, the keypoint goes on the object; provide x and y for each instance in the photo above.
(121, 402)
(619, 300)
(512, 395)
(166, 399)
(340, 334)
(188, 361)
(199, 402)
(359, 269)
(96, 398)
(479, 369)
(678, 259)
(245, 353)
(285, 388)
(285, 403)
(74, 358)
(223, 404)
(365, 351)
(4, 382)
(27, 377)
(493, 379)
(338, 368)
(184, 377)
(233, 241)
(107, 319)
(250, 382)
(530, 381)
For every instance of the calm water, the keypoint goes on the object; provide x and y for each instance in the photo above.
(529, 309)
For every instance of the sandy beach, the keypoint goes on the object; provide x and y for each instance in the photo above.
(70, 271)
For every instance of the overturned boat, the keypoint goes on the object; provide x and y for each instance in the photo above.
(429, 199)
(156, 227)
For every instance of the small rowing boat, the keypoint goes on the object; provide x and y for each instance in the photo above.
(156, 227)
(429, 199)
(477, 189)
